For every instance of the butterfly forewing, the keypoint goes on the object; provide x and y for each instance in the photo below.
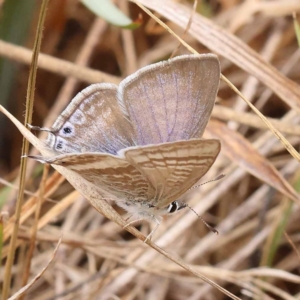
(92, 122)
(173, 168)
(171, 100)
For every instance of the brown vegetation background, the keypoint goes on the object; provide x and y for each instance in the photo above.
(255, 207)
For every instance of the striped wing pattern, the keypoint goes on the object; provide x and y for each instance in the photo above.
(156, 174)
(108, 172)
(173, 168)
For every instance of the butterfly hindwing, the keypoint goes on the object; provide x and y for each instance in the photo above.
(92, 122)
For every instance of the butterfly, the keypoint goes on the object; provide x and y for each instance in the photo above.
(139, 143)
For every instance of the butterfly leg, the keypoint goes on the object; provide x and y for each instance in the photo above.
(132, 222)
(149, 236)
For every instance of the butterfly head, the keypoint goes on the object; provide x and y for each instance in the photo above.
(175, 206)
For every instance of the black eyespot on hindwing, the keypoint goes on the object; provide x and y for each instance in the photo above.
(67, 130)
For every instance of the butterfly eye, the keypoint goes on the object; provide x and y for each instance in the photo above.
(173, 207)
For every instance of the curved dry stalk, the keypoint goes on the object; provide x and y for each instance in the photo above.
(244, 118)
(276, 132)
(24, 289)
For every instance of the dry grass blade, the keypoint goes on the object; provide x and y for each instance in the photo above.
(35, 228)
(51, 214)
(293, 245)
(227, 114)
(55, 65)
(30, 206)
(195, 5)
(271, 288)
(297, 28)
(15, 187)
(25, 148)
(277, 133)
(25, 288)
(239, 150)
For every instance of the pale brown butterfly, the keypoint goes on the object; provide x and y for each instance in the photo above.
(139, 143)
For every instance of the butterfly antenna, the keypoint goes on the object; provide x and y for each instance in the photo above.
(212, 180)
(205, 223)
